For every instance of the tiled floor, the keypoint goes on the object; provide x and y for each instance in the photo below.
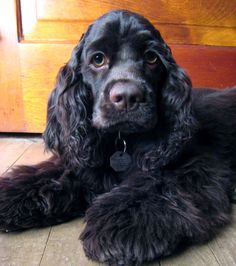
(59, 245)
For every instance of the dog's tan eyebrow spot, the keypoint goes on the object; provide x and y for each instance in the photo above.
(145, 32)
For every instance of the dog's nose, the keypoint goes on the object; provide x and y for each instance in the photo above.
(125, 95)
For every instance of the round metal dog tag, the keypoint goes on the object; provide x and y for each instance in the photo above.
(120, 161)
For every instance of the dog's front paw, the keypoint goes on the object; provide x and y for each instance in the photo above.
(121, 232)
(111, 239)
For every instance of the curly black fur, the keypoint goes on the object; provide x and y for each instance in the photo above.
(182, 143)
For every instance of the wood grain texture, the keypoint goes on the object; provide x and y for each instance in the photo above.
(193, 12)
(40, 64)
(213, 67)
(181, 22)
(11, 109)
(70, 32)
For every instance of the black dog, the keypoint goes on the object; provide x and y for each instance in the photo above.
(151, 161)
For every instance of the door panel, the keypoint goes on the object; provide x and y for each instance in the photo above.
(181, 22)
(38, 79)
(189, 12)
(37, 37)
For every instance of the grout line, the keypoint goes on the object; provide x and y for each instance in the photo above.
(8, 168)
(213, 253)
(49, 233)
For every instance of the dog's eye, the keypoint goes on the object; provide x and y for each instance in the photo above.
(99, 59)
(151, 57)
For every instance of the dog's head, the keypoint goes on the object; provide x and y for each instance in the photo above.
(121, 77)
(121, 65)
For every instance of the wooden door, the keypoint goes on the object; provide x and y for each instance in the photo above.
(37, 36)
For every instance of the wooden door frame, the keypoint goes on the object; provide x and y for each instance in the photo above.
(11, 109)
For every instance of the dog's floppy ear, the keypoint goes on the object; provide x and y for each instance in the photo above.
(68, 131)
(177, 103)
(175, 109)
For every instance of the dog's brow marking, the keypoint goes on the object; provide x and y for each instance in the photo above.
(145, 32)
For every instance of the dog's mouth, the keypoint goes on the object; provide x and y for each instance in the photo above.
(125, 122)
(126, 127)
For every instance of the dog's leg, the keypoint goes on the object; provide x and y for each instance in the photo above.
(149, 217)
(41, 195)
